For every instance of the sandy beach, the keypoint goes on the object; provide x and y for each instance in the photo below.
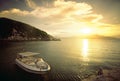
(108, 75)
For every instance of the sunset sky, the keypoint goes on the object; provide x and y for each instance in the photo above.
(63, 18)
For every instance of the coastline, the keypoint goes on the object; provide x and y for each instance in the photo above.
(108, 75)
(7, 40)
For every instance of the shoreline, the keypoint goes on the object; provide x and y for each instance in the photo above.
(108, 75)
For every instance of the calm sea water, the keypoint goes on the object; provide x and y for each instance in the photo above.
(70, 59)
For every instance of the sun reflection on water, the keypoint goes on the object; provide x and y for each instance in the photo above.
(85, 49)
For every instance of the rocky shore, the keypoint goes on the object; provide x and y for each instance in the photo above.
(108, 75)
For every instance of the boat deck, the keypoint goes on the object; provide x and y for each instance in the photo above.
(28, 60)
(33, 62)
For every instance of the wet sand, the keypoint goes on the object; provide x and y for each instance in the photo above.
(108, 75)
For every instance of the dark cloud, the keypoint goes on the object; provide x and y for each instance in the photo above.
(9, 4)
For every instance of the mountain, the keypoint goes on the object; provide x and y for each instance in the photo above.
(100, 37)
(15, 30)
(93, 37)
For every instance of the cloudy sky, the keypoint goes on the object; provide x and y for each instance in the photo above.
(64, 18)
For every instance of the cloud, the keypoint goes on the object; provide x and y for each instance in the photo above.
(14, 11)
(31, 4)
(64, 9)
(91, 18)
(72, 8)
(60, 9)
(61, 16)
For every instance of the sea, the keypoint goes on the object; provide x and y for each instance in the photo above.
(70, 59)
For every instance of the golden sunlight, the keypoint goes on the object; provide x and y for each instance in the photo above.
(86, 31)
(85, 50)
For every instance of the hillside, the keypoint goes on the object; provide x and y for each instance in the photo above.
(15, 30)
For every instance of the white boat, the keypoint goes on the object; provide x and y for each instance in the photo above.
(30, 62)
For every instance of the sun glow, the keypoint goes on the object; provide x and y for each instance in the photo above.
(86, 31)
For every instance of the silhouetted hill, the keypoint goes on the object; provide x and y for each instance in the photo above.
(15, 30)
(92, 37)
(100, 37)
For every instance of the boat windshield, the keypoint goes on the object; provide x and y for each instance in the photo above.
(27, 54)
